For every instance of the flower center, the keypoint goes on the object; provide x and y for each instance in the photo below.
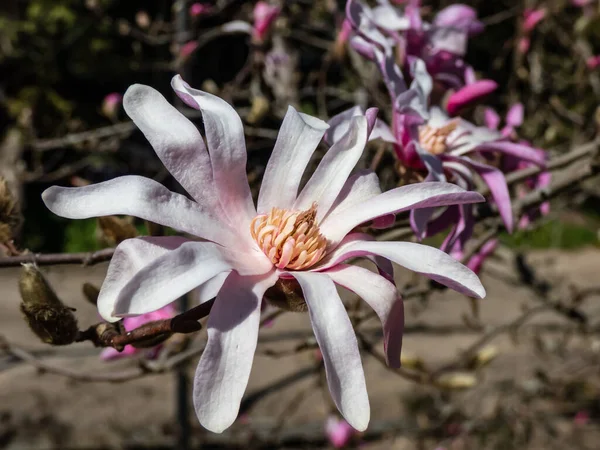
(434, 140)
(290, 239)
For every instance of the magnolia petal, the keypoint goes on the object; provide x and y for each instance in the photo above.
(420, 195)
(521, 151)
(224, 368)
(175, 140)
(296, 142)
(209, 290)
(227, 148)
(496, 181)
(469, 94)
(429, 261)
(359, 187)
(459, 16)
(333, 171)
(139, 197)
(131, 256)
(340, 123)
(383, 297)
(339, 347)
(491, 118)
(514, 116)
(169, 277)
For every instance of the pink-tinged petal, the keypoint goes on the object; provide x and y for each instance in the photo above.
(383, 297)
(428, 261)
(470, 94)
(224, 368)
(169, 277)
(532, 18)
(111, 354)
(476, 262)
(297, 140)
(227, 149)
(514, 116)
(139, 197)
(420, 195)
(521, 151)
(419, 218)
(459, 16)
(496, 181)
(491, 118)
(209, 290)
(390, 18)
(330, 176)
(337, 341)
(338, 431)
(524, 44)
(340, 123)
(448, 39)
(363, 47)
(359, 187)
(383, 222)
(131, 256)
(175, 140)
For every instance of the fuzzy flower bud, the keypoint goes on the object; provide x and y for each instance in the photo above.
(111, 104)
(52, 321)
(113, 230)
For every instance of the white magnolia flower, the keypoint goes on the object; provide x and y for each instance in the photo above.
(304, 236)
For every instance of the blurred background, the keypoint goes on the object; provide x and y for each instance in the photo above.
(531, 383)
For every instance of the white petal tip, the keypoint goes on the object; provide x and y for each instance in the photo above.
(311, 121)
(359, 423)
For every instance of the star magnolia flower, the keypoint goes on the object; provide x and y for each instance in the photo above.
(429, 142)
(131, 323)
(302, 236)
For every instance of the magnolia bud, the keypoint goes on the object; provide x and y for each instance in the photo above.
(483, 357)
(409, 361)
(52, 321)
(287, 294)
(114, 230)
(456, 381)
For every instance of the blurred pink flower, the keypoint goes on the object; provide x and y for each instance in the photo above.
(593, 62)
(131, 323)
(523, 44)
(264, 16)
(581, 418)
(111, 104)
(198, 9)
(532, 17)
(338, 431)
(187, 49)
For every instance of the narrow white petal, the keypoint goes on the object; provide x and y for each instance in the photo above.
(224, 368)
(175, 140)
(383, 297)
(129, 258)
(169, 277)
(326, 183)
(336, 338)
(227, 149)
(413, 196)
(139, 197)
(423, 259)
(360, 187)
(296, 142)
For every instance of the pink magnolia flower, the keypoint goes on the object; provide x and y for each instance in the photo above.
(338, 431)
(198, 9)
(441, 44)
(187, 49)
(264, 16)
(532, 17)
(304, 236)
(111, 104)
(593, 62)
(131, 323)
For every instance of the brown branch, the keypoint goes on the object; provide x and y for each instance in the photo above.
(48, 259)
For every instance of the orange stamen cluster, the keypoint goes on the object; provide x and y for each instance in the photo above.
(434, 139)
(290, 239)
